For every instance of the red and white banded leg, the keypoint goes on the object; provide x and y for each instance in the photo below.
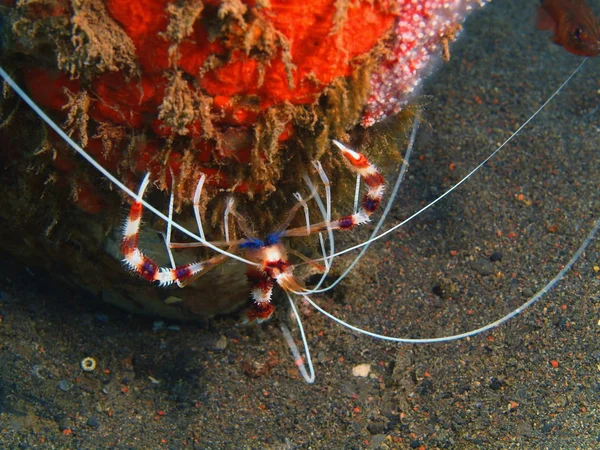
(135, 259)
(375, 182)
(261, 288)
(371, 176)
(275, 269)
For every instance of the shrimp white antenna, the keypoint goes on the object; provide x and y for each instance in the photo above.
(302, 202)
(170, 226)
(167, 236)
(298, 197)
(170, 223)
(328, 260)
(470, 174)
(226, 217)
(327, 185)
(197, 194)
(327, 218)
(482, 329)
(21, 93)
(356, 194)
(503, 319)
(143, 186)
(294, 348)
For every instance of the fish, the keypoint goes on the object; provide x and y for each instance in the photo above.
(573, 23)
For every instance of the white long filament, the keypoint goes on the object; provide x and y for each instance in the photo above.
(300, 200)
(482, 329)
(328, 260)
(471, 173)
(356, 194)
(226, 215)
(326, 211)
(294, 348)
(503, 319)
(170, 223)
(197, 194)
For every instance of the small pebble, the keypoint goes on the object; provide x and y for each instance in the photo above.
(527, 292)
(221, 343)
(362, 370)
(495, 384)
(375, 428)
(64, 385)
(483, 267)
(496, 256)
(35, 371)
(93, 422)
(446, 288)
(172, 300)
(547, 427)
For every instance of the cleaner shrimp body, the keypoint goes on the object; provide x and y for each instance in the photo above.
(268, 260)
(275, 269)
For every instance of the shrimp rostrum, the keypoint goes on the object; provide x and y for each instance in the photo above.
(266, 258)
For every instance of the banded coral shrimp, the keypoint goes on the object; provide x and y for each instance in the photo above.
(330, 256)
(183, 272)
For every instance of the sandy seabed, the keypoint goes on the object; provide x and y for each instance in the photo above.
(475, 256)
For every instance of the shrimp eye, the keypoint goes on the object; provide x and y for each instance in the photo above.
(579, 34)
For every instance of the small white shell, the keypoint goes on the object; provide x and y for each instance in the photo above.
(362, 370)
